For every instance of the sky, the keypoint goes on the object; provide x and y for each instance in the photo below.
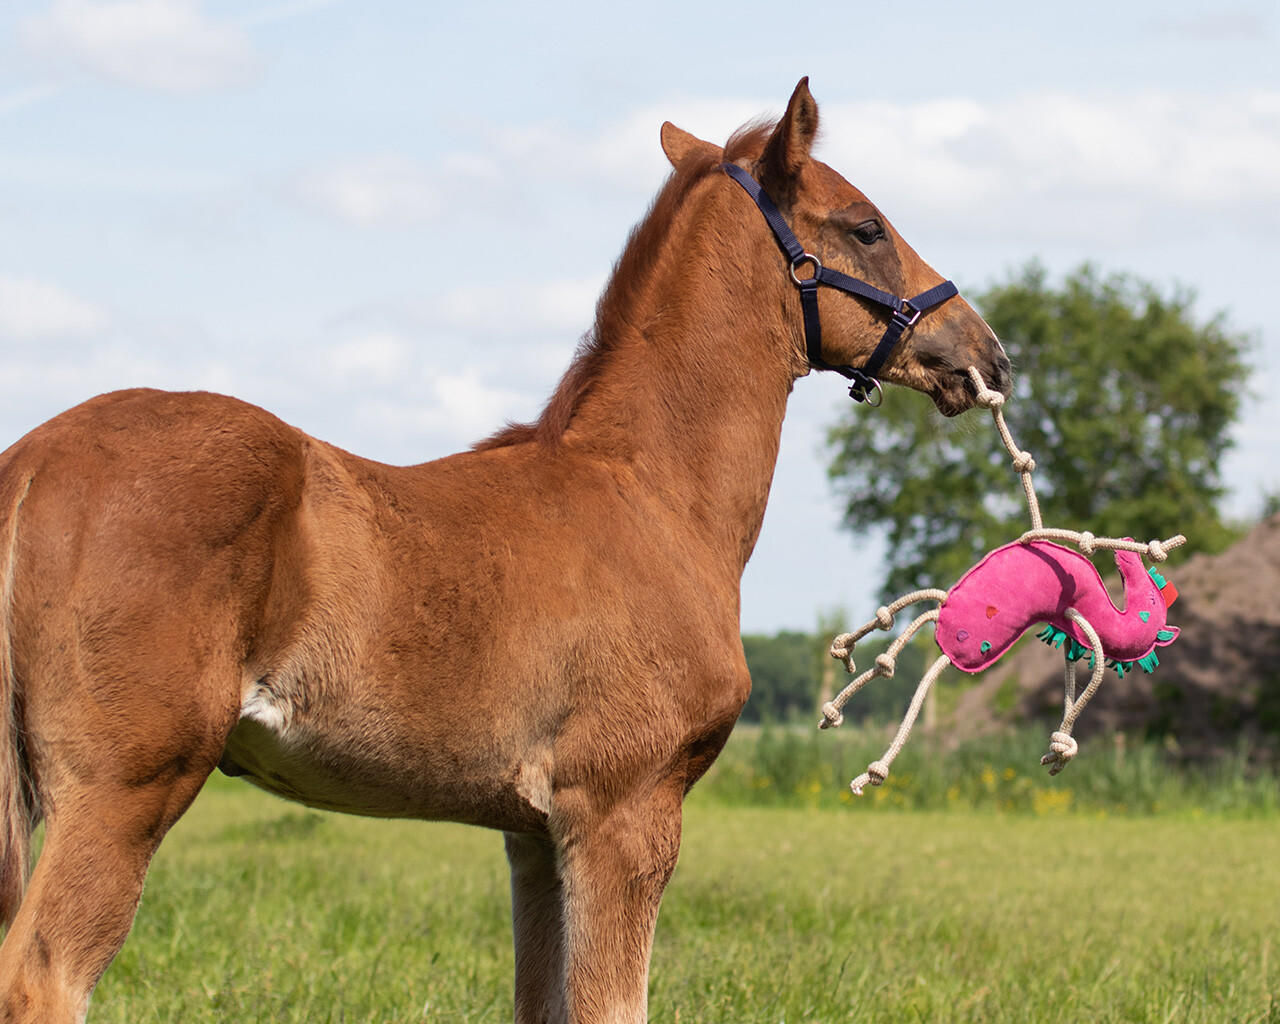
(388, 221)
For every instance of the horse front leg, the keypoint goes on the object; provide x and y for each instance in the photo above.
(537, 919)
(614, 866)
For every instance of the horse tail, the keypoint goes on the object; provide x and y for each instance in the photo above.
(17, 798)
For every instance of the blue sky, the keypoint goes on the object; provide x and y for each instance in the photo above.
(388, 221)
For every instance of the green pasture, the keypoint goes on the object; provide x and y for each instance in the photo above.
(812, 909)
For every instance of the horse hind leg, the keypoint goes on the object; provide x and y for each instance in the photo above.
(109, 796)
(83, 895)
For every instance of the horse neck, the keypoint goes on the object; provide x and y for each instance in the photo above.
(692, 397)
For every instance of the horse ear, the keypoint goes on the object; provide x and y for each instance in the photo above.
(679, 144)
(787, 150)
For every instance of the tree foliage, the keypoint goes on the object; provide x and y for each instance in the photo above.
(784, 675)
(1124, 400)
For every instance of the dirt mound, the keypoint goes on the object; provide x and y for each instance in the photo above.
(1218, 682)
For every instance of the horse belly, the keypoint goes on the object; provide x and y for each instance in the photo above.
(361, 761)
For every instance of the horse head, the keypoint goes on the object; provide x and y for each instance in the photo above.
(846, 236)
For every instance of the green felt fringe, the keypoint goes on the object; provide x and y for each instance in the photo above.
(1074, 650)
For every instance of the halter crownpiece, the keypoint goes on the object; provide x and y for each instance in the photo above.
(904, 313)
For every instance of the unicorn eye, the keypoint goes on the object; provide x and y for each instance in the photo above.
(868, 232)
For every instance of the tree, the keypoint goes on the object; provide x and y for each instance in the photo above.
(1121, 396)
(784, 675)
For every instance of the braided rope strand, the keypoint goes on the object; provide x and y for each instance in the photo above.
(1062, 746)
(878, 771)
(885, 665)
(1023, 464)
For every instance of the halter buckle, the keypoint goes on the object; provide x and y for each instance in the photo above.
(907, 314)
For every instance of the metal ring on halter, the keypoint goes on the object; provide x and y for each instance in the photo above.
(805, 257)
(862, 387)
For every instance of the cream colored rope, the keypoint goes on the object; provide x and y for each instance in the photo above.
(878, 771)
(883, 620)
(1062, 746)
(1023, 464)
(842, 648)
(1156, 550)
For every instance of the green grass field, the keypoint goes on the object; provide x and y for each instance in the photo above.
(258, 910)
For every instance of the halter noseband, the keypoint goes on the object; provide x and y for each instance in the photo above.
(905, 312)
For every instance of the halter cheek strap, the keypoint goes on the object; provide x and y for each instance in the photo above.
(904, 312)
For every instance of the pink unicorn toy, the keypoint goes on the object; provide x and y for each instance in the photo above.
(1030, 581)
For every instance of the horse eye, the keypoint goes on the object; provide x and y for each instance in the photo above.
(869, 232)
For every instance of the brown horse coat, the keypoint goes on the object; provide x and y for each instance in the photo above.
(538, 636)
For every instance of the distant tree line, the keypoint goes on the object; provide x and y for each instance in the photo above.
(787, 671)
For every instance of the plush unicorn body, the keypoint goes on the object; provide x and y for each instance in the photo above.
(1024, 583)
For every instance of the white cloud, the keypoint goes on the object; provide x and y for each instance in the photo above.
(379, 354)
(20, 98)
(469, 404)
(376, 191)
(285, 11)
(1224, 25)
(35, 310)
(409, 404)
(626, 153)
(434, 374)
(1034, 169)
(564, 308)
(1074, 167)
(170, 45)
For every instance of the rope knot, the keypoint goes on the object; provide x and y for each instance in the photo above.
(1023, 463)
(885, 664)
(1157, 551)
(876, 773)
(1062, 748)
(884, 618)
(831, 716)
(1086, 542)
(842, 650)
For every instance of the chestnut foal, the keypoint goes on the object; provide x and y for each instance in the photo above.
(539, 636)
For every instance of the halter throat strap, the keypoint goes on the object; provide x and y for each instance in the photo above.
(904, 313)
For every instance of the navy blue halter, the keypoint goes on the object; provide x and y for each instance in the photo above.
(905, 312)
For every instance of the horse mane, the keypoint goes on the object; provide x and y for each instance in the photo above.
(632, 270)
